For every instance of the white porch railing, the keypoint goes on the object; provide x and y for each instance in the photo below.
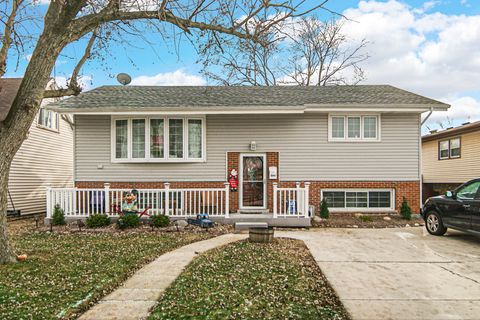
(81, 203)
(291, 202)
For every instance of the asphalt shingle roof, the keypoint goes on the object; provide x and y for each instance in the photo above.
(138, 97)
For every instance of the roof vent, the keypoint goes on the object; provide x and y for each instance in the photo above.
(465, 123)
(433, 131)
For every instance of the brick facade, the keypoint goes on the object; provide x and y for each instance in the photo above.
(408, 189)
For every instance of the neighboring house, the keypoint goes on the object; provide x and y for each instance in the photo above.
(450, 158)
(45, 157)
(357, 146)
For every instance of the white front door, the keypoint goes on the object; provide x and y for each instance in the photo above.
(253, 181)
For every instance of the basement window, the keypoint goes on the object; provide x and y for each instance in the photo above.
(359, 199)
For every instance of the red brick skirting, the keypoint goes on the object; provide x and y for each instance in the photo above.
(408, 189)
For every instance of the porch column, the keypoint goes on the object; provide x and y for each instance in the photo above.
(227, 200)
(167, 199)
(275, 209)
(107, 197)
(307, 199)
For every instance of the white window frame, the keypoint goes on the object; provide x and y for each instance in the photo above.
(367, 209)
(345, 134)
(57, 120)
(166, 151)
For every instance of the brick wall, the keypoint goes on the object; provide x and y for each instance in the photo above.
(408, 189)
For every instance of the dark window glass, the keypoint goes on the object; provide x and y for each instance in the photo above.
(335, 199)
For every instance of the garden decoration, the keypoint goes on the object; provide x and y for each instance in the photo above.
(233, 180)
(129, 205)
(202, 221)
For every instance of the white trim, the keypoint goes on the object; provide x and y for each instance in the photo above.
(265, 184)
(367, 190)
(346, 116)
(166, 150)
(199, 112)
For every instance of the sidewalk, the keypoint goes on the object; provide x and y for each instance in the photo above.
(135, 298)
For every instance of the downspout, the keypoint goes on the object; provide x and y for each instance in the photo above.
(420, 153)
(426, 118)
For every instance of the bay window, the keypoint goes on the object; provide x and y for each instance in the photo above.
(354, 128)
(158, 139)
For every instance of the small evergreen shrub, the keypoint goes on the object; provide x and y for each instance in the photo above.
(159, 221)
(365, 218)
(97, 221)
(128, 221)
(405, 210)
(58, 217)
(324, 212)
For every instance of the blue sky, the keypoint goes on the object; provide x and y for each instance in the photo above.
(429, 47)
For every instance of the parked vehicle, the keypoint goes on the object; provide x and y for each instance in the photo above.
(458, 209)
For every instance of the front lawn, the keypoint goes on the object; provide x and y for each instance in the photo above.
(252, 281)
(65, 273)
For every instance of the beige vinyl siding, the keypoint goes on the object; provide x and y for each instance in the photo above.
(45, 157)
(458, 170)
(301, 140)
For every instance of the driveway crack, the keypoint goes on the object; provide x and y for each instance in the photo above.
(460, 275)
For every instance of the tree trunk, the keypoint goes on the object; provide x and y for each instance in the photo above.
(6, 253)
(14, 129)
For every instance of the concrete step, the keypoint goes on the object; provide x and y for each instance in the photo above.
(245, 226)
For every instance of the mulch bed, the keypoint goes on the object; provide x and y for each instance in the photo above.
(30, 225)
(356, 220)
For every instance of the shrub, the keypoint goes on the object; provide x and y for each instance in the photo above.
(58, 217)
(405, 210)
(324, 212)
(128, 221)
(159, 221)
(97, 220)
(365, 218)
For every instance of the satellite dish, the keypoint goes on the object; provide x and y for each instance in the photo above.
(124, 78)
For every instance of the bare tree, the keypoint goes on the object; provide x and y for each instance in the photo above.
(299, 50)
(322, 55)
(67, 21)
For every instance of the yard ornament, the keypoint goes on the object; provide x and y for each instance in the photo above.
(233, 180)
(129, 202)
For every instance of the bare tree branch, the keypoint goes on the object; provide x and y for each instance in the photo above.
(7, 36)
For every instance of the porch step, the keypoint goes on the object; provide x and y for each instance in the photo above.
(245, 226)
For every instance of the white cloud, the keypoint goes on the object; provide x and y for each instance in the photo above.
(176, 78)
(432, 54)
(464, 109)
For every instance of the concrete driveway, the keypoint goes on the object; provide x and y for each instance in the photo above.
(399, 273)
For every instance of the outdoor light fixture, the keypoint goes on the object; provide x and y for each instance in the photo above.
(253, 146)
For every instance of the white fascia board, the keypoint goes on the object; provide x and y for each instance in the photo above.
(374, 108)
(290, 110)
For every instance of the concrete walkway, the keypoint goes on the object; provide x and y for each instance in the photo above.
(399, 273)
(135, 298)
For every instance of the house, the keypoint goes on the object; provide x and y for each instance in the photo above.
(450, 158)
(45, 157)
(356, 146)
